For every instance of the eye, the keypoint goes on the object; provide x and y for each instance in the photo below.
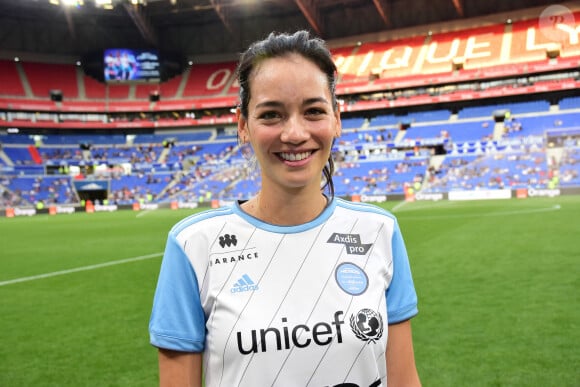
(269, 115)
(315, 112)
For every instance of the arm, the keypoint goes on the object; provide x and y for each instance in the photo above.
(179, 369)
(401, 369)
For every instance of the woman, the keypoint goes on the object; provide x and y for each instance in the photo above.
(292, 287)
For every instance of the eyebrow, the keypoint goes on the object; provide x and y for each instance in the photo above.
(308, 101)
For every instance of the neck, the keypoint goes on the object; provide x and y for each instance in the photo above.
(286, 210)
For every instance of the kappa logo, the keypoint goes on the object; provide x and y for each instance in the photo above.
(228, 240)
(367, 325)
(351, 242)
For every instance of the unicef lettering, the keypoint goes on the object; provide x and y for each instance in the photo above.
(376, 383)
(300, 336)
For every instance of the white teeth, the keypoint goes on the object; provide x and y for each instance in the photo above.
(295, 156)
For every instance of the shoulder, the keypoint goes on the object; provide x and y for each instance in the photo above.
(201, 219)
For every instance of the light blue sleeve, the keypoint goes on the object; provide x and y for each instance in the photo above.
(177, 319)
(401, 294)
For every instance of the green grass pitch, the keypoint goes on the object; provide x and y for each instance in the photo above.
(498, 284)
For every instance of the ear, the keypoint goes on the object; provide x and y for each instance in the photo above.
(338, 123)
(243, 134)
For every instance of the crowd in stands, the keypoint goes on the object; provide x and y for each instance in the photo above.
(374, 156)
(38, 191)
(569, 165)
(501, 170)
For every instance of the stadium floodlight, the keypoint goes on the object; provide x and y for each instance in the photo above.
(72, 3)
(101, 3)
(106, 4)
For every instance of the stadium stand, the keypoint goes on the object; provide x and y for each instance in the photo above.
(170, 88)
(435, 114)
(114, 91)
(370, 168)
(145, 91)
(10, 80)
(94, 89)
(208, 79)
(44, 77)
(570, 103)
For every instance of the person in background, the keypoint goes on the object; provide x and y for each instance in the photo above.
(293, 287)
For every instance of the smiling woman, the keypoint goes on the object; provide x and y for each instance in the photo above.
(291, 124)
(328, 282)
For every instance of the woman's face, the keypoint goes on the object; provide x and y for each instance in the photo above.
(291, 122)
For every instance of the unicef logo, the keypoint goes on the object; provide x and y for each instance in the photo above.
(367, 325)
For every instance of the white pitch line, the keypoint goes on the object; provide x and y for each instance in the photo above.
(143, 213)
(77, 269)
(398, 205)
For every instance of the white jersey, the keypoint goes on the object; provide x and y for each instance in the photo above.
(270, 305)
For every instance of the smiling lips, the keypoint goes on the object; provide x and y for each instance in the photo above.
(294, 156)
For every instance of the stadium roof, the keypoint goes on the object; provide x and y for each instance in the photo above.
(213, 28)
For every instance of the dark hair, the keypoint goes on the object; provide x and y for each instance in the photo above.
(280, 44)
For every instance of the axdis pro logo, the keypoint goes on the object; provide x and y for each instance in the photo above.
(351, 242)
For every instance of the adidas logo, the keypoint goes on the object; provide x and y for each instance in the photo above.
(244, 284)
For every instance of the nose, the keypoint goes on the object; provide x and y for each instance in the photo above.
(295, 131)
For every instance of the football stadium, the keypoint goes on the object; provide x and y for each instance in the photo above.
(460, 117)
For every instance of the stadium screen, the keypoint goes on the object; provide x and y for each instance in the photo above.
(127, 65)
